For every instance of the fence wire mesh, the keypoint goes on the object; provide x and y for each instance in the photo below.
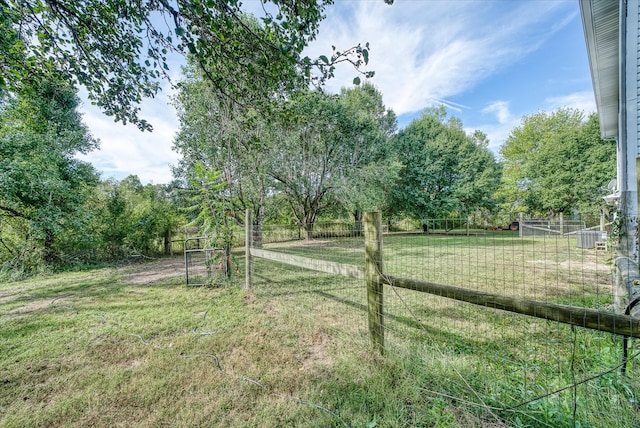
(337, 300)
(204, 265)
(508, 368)
(505, 361)
(550, 227)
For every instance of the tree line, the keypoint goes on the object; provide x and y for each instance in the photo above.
(55, 211)
(314, 156)
(257, 132)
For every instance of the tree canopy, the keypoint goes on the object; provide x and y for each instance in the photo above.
(119, 49)
(555, 163)
(313, 151)
(444, 172)
(42, 185)
(371, 166)
(222, 136)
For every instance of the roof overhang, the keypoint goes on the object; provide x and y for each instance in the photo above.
(601, 22)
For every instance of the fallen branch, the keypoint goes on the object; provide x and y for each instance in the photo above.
(203, 355)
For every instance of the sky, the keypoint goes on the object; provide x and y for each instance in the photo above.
(490, 62)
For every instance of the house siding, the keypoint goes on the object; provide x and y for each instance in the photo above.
(632, 101)
(633, 10)
(631, 110)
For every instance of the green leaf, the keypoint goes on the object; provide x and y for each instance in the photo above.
(356, 80)
(324, 59)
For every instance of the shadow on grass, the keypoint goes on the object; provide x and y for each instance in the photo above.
(43, 294)
(411, 325)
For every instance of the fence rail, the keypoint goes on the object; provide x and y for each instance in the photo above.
(373, 273)
(609, 322)
(309, 263)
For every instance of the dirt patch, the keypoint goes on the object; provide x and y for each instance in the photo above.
(8, 298)
(154, 271)
(34, 306)
(13, 294)
(319, 355)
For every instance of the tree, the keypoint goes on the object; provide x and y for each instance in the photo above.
(444, 172)
(310, 160)
(110, 223)
(119, 49)
(151, 216)
(42, 185)
(129, 218)
(555, 163)
(315, 149)
(228, 138)
(370, 167)
(212, 211)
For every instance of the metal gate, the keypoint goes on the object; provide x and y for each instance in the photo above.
(203, 265)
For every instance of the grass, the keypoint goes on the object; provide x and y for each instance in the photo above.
(102, 348)
(134, 346)
(488, 356)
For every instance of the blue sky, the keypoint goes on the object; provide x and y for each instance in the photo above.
(489, 61)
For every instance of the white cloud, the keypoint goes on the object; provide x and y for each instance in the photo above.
(501, 110)
(425, 51)
(125, 150)
(497, 131)
(507, 120)
(584, 101)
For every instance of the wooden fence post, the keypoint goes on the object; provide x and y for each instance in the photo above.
(520, 221)
(373, 271)
(248, 262)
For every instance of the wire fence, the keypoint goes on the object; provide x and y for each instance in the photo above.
(550, 227)
(522, 369)
(325, 312)
(204, 265)
(525, 362)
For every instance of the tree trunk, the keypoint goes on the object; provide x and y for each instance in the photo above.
(308, 231)
(49, 257)
(256, 234)
(357, 217)
(167, 242)
(256, 237)
(308, 212)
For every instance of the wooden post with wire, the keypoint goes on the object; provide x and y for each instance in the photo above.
(248, 262)
(373, 272)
